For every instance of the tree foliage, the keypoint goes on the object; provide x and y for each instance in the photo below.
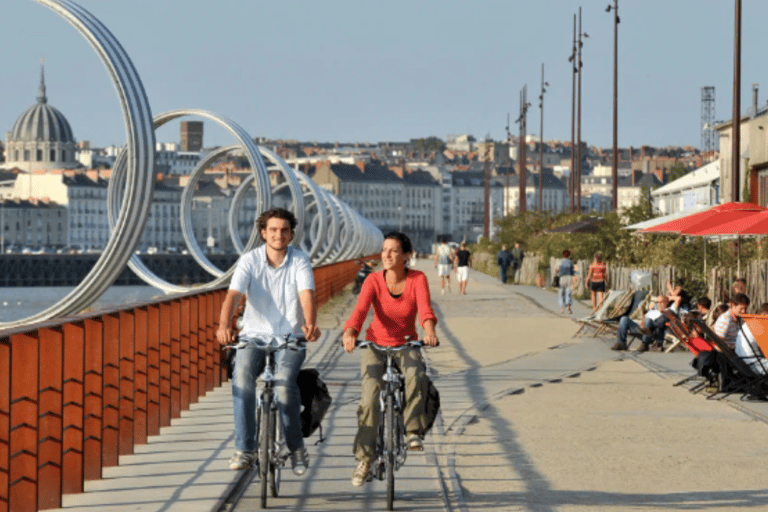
(428, 144)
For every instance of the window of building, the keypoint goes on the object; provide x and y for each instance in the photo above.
(53, 155)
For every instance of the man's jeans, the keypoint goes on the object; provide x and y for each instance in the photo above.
(564, 292)
(249, 364)
(627, 326)
(503, 274)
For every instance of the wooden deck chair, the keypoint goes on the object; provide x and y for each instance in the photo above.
(744, 379)
(631, 308)
(601, 312)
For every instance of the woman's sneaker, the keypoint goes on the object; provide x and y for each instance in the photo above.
(241, 460)
(362, 473)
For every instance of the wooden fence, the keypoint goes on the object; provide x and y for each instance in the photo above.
(718, 280)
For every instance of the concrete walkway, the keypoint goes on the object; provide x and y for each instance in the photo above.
(531, 419)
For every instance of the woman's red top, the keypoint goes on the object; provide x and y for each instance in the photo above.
(598, 272)
(393, 318)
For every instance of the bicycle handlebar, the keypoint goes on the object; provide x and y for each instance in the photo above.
(286, 342)
(383, 348)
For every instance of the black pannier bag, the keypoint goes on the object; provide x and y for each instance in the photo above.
(431, 407)
(315, 401)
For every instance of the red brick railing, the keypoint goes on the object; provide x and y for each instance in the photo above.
(77, 393)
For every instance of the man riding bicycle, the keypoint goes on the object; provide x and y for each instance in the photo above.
(279, 287)
(397, 294)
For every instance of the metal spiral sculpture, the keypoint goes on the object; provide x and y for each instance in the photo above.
(328, 229)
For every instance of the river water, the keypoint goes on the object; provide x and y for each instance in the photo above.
(22, 302)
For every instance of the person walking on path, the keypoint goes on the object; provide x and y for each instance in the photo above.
(503, 260)
(566, 271)
(397, 294)
(463, 264)
(277, 282)
(444, 265)
(517, 262)
(596, 277)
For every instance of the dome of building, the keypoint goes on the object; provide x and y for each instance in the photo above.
(41, 138)
(42, 122)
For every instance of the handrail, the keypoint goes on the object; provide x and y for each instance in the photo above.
(76, 393)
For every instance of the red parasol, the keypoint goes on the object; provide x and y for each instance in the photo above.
(755, 224)
(715, 216)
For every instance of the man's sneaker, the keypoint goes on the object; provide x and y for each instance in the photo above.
(643, 347)
(657, 347)
(241, 460)
(299, 461)
(362, 473)
(619, 346)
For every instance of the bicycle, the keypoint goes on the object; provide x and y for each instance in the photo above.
(271, 444)
(391, 450)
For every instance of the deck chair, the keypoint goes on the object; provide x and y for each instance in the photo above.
(694, 343)
(631, 308)
(742, 379)
(602, 311)
(753, 344)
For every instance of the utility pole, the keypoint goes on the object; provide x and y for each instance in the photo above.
(522, 119)
(572, 59)
(736, 125)
(541, 139)
(487, 190)
(615, 165)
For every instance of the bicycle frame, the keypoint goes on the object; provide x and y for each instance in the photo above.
(270, 438)
(390, 440)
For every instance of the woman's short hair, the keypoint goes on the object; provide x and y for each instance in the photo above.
(566, 253)
(276, 213)
(405, 242)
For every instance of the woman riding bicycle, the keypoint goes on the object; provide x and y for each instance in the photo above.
(397, 295)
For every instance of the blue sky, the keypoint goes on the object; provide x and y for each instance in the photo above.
(344, 70)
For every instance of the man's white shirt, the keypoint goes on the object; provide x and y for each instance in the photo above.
(272, 306)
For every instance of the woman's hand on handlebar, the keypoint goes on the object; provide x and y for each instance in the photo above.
(430, 339)
(349, 339)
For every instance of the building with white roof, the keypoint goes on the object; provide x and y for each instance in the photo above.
(700, 187)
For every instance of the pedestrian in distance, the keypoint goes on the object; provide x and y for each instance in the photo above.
(397, 295)
(567, 273)
(277, 282)
(444, 265)
(503, 260)
(596, 279)
(463, 262)
(517, 262)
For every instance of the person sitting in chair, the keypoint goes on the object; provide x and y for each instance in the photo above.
(652, 329)
(727, 325)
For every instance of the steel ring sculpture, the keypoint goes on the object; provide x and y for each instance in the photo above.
(258, 172)
(137, 117)
(328, 229)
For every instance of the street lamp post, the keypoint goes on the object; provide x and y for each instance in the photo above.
(572, 60)
(615, 165)
(736, 124)
(522, 178)
(541, 139)
(578, 118)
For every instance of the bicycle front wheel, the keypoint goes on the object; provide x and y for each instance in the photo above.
(267, 421)
(390, 447)
(274, 463)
